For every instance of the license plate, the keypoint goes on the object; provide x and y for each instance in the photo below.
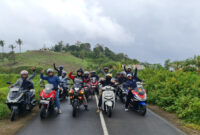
(44, 102)
(93, 86)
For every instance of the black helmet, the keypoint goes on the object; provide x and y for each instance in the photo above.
(80, 70)
(105, 68)
(61, 67)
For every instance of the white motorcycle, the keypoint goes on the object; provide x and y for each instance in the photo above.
(108, 100)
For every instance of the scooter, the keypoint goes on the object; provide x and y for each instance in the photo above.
(16, 101)
(138, 101)
(108, 100)
(47, 101)
(76, 98)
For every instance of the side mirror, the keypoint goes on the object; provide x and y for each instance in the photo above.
(8, 82)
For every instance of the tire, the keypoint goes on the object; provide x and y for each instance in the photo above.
(74, 112)
(43, 113)
(143, 111)
(13, 113)
(109, 112)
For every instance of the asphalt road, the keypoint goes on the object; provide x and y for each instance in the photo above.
(89, 123)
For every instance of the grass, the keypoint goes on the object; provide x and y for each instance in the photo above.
(43, 59)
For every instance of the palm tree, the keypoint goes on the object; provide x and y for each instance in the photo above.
(19, 42)
(2, 44)
(12, 47)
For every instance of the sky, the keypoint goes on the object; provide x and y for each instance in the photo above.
(148, 30)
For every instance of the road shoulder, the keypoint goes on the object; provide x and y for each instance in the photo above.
(172, 118)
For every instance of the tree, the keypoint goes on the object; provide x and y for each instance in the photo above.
(167, 64)
(19, 42)
(2, 44)
(12, 47)
(12, 53)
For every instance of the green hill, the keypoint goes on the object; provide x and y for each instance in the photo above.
(42, 59)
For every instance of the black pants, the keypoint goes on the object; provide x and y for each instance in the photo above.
(100, 101)
(28, 97)
(129, 96)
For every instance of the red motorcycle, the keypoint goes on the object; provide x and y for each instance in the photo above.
(47, 101)
(87, 90)
(94, 85)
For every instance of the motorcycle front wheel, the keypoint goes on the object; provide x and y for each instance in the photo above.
(109, 112)
(13, 113)
(43, 113)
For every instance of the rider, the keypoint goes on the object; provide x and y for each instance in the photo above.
(79, 76)
(131, 84)
(25, 82)
(104, 82)
(106, 71)
(86, 77)
(59, 69)
(52, 79)
(93, 74)
(122, 77)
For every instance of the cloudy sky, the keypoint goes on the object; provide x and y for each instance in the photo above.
(149, 30)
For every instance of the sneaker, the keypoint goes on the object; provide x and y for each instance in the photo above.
(86, 107)
(59, 111)
(126, 109)
(98, 110)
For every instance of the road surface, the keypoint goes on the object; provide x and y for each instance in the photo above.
(90, 123)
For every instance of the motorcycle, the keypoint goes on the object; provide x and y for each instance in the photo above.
(16, 101)
(94, 85)
(87, 90)
(76, 98)
(63, 93)
(47, 101)
(122, 92)
(108, 100)
(138, 101)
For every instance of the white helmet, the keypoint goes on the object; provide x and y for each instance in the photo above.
(24, 72)
(86, 72)
(124, 73)
(129, 75)
(50, 70)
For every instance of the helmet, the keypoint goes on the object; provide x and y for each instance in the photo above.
(129, 75)
(64, 72)
(109, 75)
(80, 70)
(105, 68)
(93, 72)
(61, 67)
(24, 72)
(50, 70)
(123, 73)
(86, 73)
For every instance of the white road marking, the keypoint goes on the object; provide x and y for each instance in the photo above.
(103, 124)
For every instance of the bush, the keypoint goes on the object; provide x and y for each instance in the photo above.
(175, 92)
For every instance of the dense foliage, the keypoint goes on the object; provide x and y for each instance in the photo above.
(176, 92)
(99, 53)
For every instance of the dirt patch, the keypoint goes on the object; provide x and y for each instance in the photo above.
(172, 118)
(10, 128)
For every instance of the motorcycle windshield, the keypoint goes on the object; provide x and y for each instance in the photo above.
(93, 79)
(14, 94)
(48, 88)
(77, 86)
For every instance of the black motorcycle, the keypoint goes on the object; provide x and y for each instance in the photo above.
(63, 93)
(122, 92)
(76, 98)
(17, 101)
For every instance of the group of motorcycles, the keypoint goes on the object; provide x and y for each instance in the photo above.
(16, 99)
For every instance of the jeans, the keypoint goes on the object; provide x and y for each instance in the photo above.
(28, 97)
(57, 99)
